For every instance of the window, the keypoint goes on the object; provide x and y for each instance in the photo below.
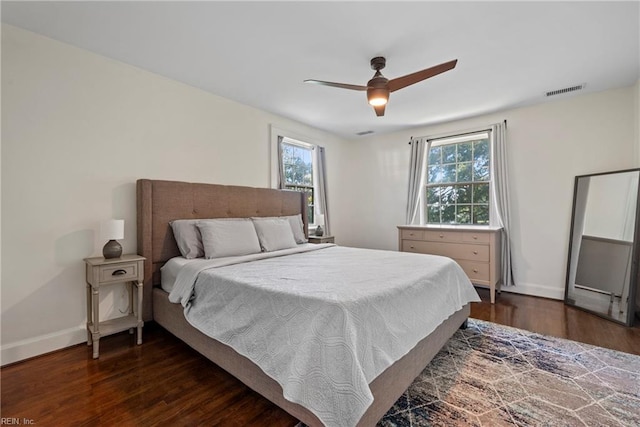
(297, 165)
(458, 180)
(298, 162)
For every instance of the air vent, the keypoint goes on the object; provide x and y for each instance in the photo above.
(566, 90)
(364, 132)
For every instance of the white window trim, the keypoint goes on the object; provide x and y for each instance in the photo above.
(455, 139)
(451, 134)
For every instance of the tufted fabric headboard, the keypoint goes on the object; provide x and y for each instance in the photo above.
(159, 202)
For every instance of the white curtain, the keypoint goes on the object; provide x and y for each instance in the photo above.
(281, 179)
(321, 196)
(419, 148)
(501, 196)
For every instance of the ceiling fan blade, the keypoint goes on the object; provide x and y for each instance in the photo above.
(418, 76)
(339, 85)
(379, 110)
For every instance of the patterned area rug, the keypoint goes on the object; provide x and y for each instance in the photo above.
(493, 375)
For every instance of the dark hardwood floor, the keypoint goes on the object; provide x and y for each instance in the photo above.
(552, 317)
(164, 382)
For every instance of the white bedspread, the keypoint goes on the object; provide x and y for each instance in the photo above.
(325, 322)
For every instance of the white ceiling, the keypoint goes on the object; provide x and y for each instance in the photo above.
(258, 53)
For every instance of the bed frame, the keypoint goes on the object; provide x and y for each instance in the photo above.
(159, 202)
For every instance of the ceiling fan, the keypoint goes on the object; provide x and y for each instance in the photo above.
(379, 87)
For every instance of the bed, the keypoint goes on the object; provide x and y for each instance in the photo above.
(159, 202)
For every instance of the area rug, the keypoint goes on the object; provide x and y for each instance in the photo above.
(493, 375)
(490, 375)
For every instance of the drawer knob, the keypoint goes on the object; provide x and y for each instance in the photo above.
(475, 270)
(441, 236)
(475, 237)
(412, 247)
(475, 252)
(410, 234)
(119, 272)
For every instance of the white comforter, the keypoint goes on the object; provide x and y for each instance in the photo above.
(324, 322)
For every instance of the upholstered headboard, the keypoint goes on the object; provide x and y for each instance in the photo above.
(159, 202)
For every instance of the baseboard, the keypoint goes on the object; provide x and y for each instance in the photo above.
(536, 290)
(25, 349)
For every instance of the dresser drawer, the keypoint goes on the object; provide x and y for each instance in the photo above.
(413, 234)
(472, 237)
(442, 236)
(118, 273)
(477, 271)
(457, 251)
(415, 246)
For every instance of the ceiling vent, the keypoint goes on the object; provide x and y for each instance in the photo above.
(567, 90)
(364, 132)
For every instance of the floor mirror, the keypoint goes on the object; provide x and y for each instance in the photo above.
(602, 267)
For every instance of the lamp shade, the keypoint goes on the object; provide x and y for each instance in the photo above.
(113, 229)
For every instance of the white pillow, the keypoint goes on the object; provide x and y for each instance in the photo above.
(297, 227)
(188, 237)
(274, 233)
(295, 221)
(228, 237)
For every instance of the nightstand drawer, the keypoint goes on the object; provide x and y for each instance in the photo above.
(118, 273)
(322, 239)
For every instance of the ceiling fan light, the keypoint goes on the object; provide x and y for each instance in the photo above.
(377, 96)
(376, 102)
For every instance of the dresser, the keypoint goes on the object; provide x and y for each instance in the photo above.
(475, 249)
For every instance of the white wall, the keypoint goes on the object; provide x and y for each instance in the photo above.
(78, 130)
(549, 144)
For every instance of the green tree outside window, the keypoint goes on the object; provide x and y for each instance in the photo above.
(458, 182)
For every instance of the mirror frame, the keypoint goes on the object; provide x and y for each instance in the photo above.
(633, 276)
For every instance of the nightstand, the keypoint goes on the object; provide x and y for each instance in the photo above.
(322, 239)
(103, 272)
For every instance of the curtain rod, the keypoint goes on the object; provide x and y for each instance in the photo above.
(459, 134)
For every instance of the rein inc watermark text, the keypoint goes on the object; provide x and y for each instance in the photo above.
(6, 421)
